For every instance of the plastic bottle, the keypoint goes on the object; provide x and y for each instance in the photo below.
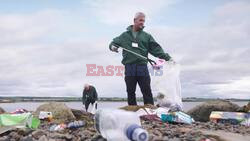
(59, 127)
(53, 127)
(76, 124)
(119, 125)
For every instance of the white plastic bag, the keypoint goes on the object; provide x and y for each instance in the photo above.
(93, 111)
(167, 86)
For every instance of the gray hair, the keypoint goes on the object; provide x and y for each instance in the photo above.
(86, 85)
(138, 14)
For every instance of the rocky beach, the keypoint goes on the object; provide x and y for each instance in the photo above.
(201, 130)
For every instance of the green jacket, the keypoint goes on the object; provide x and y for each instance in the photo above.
(89, 95)
(146, 44)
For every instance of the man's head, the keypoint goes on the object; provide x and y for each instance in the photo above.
(139, 20)
(86, 86)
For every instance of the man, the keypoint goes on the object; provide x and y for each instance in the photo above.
(89, 95)
(136, 71)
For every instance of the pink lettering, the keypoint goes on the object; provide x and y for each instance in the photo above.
(110, 70)
(119, 68)
(100, 71)
(90, 70)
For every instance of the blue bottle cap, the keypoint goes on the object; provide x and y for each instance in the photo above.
(134, 132)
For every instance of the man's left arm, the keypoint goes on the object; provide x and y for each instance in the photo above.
(156, 50)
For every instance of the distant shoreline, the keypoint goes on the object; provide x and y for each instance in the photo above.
(103, 99)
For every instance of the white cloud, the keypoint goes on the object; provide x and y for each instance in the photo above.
(214, 57)
(30, 60)
(57, 70)
(19, 28)
(235, 12)
(119, 11)
(236, 88)
(216, 53)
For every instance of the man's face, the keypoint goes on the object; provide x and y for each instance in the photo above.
(86, 87)
(139, 22)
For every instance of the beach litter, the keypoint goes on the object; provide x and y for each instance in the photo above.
(71, 125)
(44, 115)
(168, 86)
(56, 127)
(12, 121)
(230, 117)
(164, 114)
(19, 111)
(177, 117)
(61, 113)
(76, 124)
(119, 125)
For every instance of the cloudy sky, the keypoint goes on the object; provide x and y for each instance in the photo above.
(45, 45)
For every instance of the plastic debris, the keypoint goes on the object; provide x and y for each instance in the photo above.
(119, 125)
(177, 117)
(45, 115)
(246, 122)
(19, 111)
(150, 118)
(76, 124)
(94, 108)
(12, 121)
(228, 117)
(168, 86)
(59, 127)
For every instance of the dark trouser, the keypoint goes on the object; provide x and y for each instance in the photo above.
(87, 104)
(138, 74)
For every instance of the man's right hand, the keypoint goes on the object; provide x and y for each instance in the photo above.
(114, 48)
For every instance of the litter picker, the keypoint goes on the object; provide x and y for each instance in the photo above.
(152, 62)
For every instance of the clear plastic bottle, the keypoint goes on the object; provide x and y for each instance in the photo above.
(59, 127)
(119, 125)
(76, 124)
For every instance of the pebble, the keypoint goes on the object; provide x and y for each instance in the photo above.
(60, 136)
(175, 139)
(4, 138)
(43, 138)
(14, 135)
(38, 133)
(98, 138)
(26, 138)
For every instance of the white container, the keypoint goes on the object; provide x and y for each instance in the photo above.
(44, 114)
(119, 125)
